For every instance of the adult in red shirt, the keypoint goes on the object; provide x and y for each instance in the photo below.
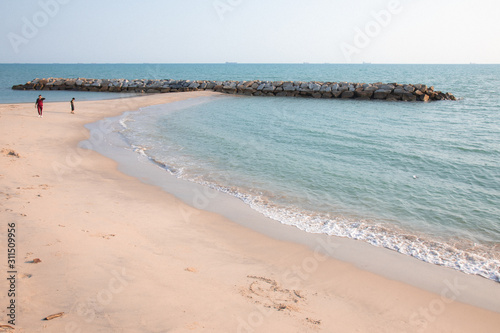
(39, 105)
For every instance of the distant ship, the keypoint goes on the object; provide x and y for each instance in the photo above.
(230, 62)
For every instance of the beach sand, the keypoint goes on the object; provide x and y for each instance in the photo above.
(121, 255)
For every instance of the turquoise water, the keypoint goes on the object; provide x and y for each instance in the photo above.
(419, 178)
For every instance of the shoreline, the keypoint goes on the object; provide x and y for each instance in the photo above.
(154, 244)
(376, 259)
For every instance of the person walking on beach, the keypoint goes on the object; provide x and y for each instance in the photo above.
(39, 105)
(73, 105)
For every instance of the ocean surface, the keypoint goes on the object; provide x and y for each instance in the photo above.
(422, 179)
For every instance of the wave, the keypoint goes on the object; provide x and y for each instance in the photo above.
(463, 254)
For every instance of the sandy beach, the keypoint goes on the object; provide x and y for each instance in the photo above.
(118, 254)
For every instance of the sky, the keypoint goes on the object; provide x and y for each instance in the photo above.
(250, 31)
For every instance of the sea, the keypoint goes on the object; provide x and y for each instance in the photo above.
(422, 179)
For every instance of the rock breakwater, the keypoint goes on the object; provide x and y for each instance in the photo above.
(344, 90)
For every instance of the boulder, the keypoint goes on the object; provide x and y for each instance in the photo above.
(325, 88)
(371, 88)
(229, 85)
(314, 87)
(408, 97)
(381, 93)
(409, 88)
(399, 91)
(386, 86)
(360, 93)
(268, 88)
(423, 98)
(393, 97)
(336, 93)
(347, 94)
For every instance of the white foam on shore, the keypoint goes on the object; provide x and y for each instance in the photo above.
(464, 256)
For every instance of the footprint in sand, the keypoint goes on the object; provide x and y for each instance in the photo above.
(270, 294)
(10, 152)
(105, 236)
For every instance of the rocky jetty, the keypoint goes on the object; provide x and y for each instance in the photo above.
(344, 90)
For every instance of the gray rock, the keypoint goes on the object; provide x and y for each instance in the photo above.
(325, 88)
(363, 93)
(314, 86)
(336, 93)
(386, 87)
(408, 97)
(268, 88)
(381, 93)
(392, 97)
(371, 88)
(229, 85)
(347, 94)
(409, 88)
(399, 91)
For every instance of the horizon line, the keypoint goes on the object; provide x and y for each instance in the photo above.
(232, 63)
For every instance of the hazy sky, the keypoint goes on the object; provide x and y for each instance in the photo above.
(250, 31)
